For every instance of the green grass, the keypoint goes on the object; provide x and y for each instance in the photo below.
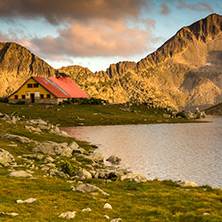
(150, 201)
(89, 115)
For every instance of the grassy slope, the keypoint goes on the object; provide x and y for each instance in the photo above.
(150, 201)
(89, 115)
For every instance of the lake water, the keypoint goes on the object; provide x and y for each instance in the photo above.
(190, 151)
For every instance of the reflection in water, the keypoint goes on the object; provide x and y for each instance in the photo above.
(168, 151)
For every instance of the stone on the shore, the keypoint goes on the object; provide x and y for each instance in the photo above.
(97, 157)
(107, 206)
(20, 173)
(6, 158)
(68, 215)
(76, 148)
(114, 159)
(134, 177)
(50, 147)
(88, 188)
(34, 156)
(187, 184)
(29, 200)
(84, 174)
(21, 139)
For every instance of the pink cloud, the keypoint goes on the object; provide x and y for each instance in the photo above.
(95, 38)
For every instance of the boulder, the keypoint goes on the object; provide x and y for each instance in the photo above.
(31, 128)
(116, 220)
(187, 183)
(38, 122)
(50, 147)
(97, 157)
(6, 158)
(84, 174)
(114, 159)
(20, 173)
(88, 188)
(21, 139)
(34, 156)
(68, 215)
(29, 200)
(86, 210)
(107, 206)
(134, 177)
(76, 148)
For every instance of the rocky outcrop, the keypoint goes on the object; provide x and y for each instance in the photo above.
(184, 72)
(21, 139)
(6, 158)
(53, 148)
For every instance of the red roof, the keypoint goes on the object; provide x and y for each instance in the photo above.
(62, 87)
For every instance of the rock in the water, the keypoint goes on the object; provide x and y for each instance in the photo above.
(29, 200)
(107, 206)
(21, 139)
(84, 174)
(187, 184)
(135, 177)
(114, 159)
(20, 173)
(6, 158)
(68, 215)
(97, 157)
(88, 188)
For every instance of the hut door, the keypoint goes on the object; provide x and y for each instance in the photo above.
(32, 97)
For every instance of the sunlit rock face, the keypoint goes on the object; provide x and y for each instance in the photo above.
(186, 71)
(17, 64)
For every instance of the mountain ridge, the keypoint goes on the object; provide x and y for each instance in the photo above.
(184, 72)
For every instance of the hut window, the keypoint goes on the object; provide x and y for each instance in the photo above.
(42, 96)
(48, 96)
(23, 96)
(16, 96)
(36, 85)
(29, 85)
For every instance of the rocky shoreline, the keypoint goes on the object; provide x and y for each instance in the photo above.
(53, 159)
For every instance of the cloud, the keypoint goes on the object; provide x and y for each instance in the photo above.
(57, 11)
(164, 9)
(200, 6)
(95, 38)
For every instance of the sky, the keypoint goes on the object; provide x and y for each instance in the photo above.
(97, 33)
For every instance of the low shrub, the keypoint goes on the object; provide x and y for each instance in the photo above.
(69, 167)
(20, 102)
(4, 99)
